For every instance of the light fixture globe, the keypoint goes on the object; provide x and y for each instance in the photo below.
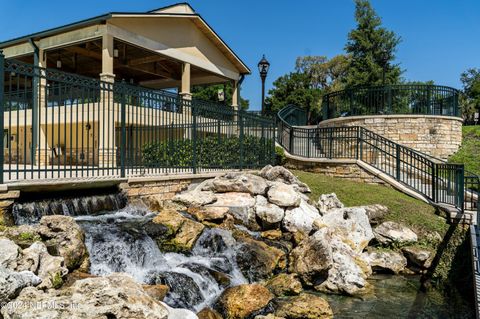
(263, 66)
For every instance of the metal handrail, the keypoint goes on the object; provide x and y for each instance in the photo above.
(435, 179)
(422, 99)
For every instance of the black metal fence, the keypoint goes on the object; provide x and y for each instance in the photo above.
(61, 125)
(392, 99)
(438, 181)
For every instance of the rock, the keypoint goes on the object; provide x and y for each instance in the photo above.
(183, 290)
(6, 204)
(301, 218)
(63, 233)
(281, 174)
(385, 261)
(179, 313)
(418, 257)
(258, 260)
(181, 233)
(211, 214)
(241, 183)
(269, 316)
(195, 198)
(23, 235)
(328, 202)
(312, 258)
(114, 296)
(157, 292)
(348, 271)
(283, 195)
(268, 213)
(50, 269)
(9, 253)
(304, 306)
(392, 232)
(351, 224)
(375, 212)
(240, 205)
(272, 234)
(284, 285)
(241, 301)
(208, 313)
(11, 283)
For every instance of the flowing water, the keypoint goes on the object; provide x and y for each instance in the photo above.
(117, 242)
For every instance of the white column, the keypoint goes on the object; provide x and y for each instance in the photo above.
(235, 102)
(44, 151)
(106, 131)
(186, 82)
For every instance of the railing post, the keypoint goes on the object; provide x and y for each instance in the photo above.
(194, 134)
(290, 142)
(330, 143)
(2, 103)
(360, 141)
(434, 182)
(398, 162)
(461, 187)
(123, 115)
(390, 110)
(240, 119)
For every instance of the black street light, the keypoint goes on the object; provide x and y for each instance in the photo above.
(263, 67)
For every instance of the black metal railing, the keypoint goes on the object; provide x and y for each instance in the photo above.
(60, 125)
(419, 99)
(436, 180)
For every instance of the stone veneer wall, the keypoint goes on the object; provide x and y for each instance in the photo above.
(438, 136)
(350, 171)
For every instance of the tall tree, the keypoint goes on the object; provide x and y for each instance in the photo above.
(313, 76)
(372, 49)
(210, 93)
(470, 99)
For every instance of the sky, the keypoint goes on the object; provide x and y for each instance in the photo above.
(440, 38)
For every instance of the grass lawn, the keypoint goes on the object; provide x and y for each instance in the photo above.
(469, 152)
(416, 214)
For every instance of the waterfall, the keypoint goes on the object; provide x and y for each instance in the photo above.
(117, 242)
(32, 212)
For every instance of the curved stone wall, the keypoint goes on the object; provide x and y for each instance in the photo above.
(438, 136)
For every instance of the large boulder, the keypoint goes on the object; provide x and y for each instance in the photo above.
(195, 198)
(209, 214)
(304, 306)
(12, 283)
(63, 233)
(284, 285)
(283, 175)
(207, 313)
(418, 257)
(114, 296)
(301, 218)
(258, 260)
(180, 233)
(179, 313)
(9, 253)
(241, 183)
(348, 271)
(268, 213)
(351, 224)
(241, 301)
(375, 212)
(385, 261)
(328, 202)
(391, 232)
(283, 195)
(50, 269)
(312, 258)
(240, 205)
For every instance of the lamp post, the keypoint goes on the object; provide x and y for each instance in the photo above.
(384, 58)
(263, 67)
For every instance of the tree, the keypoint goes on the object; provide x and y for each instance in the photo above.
(470, 97)
(313, 76)
(210, 93)
(372, 49)
(294, 88)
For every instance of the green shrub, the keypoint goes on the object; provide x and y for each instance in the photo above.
(280, 158)
(211, 151)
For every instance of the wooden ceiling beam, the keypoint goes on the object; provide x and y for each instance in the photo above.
(145, 60)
